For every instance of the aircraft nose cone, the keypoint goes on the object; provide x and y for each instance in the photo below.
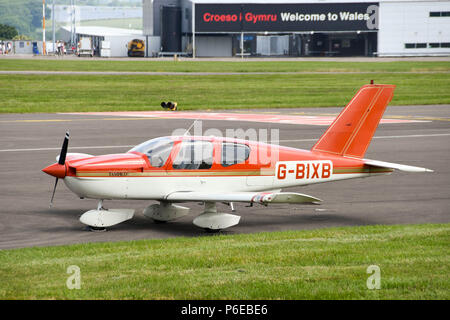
(57, 170)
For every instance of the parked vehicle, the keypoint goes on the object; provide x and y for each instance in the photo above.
(136, 48)
(85, 47)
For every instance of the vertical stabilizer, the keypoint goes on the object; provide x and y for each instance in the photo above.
(351, 132)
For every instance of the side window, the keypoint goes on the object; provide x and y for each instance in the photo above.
(234, 153)
(194, 155)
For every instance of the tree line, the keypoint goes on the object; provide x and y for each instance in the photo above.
(25, 16)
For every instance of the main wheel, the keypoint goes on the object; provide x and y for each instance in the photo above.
(208, 230)
(96, 229)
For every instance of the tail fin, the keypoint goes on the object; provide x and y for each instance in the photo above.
(351, 132)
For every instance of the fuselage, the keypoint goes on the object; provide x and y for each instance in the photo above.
(159, 167)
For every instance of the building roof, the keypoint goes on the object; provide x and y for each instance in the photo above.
(105, 31)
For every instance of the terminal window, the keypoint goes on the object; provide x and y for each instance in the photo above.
(440, 14)
(430, 45)
(415, 45)
(439, 45)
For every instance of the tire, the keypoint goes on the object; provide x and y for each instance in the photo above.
(212, 231)
(158, 221)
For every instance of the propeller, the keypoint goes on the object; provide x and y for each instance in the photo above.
(53, 194)
(62, 155)
(59, 170)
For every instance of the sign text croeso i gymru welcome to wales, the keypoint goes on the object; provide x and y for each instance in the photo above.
(285, 17)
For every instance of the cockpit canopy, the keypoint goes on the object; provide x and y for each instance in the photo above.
(157, 150)
(193, 153)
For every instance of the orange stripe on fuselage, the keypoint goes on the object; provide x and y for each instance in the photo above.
(222, 173)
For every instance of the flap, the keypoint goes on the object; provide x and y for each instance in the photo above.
(252, 197)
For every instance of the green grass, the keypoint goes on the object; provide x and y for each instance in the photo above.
(67, 93)
(416, 84)
(320, 264)
(221, 66)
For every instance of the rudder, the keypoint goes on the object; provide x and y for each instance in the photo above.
(351, 132)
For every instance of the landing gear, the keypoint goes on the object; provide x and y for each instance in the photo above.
(101, 218)
(100, 205)
(165, 211)
(212, 220)
(95, 229)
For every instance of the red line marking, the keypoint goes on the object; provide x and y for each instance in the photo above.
(267, 118)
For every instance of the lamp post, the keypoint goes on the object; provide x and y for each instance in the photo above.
(44, 49)
(53, 25)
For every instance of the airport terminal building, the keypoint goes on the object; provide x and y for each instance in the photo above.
(226, 28)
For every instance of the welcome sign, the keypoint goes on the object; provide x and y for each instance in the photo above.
(286, 17)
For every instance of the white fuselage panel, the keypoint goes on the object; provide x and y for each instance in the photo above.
(157, 188)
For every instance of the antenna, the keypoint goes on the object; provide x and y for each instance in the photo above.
(187, 131)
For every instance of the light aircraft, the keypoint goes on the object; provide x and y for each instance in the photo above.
(210, 170)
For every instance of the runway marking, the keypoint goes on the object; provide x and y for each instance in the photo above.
(421, 118)
(290, 140)
(71, 120)
(382, 137)
(40, 120)
(389, 116)
(249, 117)
(50, 149)
(268, 117)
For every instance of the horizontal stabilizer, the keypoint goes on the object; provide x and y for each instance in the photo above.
(251, 197)
(397, 166)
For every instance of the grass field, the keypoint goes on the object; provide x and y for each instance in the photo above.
(417, 83)
(139, 65)
(67, 93)
(320, 264)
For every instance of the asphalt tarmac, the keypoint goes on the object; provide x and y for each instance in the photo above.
(30, 142)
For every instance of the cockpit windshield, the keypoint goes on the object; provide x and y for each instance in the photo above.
(157, 150)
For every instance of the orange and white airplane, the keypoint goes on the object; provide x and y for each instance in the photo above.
(203, 169)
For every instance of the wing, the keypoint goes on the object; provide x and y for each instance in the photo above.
(251, 197)
(390, 165)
